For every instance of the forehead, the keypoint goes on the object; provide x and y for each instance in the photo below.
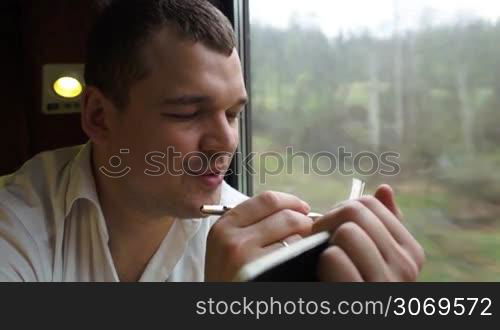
(179, 65)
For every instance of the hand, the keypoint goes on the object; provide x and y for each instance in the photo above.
(252, 229)
(369, 242)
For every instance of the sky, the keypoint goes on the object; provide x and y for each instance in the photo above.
(333, 16)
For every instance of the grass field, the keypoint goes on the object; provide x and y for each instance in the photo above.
(458, 247)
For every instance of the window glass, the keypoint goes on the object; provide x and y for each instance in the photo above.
(398, 92)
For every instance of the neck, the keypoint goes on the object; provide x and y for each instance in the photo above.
(134, 235)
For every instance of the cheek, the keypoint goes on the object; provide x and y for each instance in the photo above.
(235, 136)
(183, 141)
(177, 143)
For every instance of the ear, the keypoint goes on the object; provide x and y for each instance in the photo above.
(95, 119)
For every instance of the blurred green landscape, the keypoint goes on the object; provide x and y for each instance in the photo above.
(431, 94)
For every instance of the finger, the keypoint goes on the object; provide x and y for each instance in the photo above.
(355, 211)
(396, 228)
(279, 226)
(278, 245)
(385, 194)
(362, 251)
(264, 205)
(334, 265)
(292, 239)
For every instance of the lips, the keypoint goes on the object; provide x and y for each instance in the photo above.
(207, 171)
(207, 166)
(211, 181)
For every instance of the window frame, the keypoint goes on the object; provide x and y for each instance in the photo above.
(240, 178)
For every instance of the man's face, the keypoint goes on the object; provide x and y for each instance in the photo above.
(187, 108)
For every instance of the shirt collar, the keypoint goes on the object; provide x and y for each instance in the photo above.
(82, 185)
(81, 179)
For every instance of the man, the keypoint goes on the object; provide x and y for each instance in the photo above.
(164, 75)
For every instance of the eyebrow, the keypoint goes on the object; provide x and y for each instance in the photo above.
(197, 99)
(186, 100)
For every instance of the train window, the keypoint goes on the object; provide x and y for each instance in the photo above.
(391, 91)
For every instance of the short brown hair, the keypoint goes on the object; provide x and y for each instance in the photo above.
(113, 61)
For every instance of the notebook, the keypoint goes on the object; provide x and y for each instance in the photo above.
(296, 262)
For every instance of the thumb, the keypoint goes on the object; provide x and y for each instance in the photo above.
(385, 194)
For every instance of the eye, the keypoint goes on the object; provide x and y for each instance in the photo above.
(234, 115)
(180, 116)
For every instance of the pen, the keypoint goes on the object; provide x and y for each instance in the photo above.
(357, 189)
(221, 209)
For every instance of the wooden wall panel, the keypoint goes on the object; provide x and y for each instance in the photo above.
(54, 32)
(35, 33)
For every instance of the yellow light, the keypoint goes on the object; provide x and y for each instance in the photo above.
(68, 87)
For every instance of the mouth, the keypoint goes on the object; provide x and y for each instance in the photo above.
(210, 180)
(206, 172)
(209, 171)
(209, 177)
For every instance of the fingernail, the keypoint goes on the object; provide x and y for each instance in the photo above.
(306, 207)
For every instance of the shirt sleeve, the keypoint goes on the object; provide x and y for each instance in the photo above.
(19, 254)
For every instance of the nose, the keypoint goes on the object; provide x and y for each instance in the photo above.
(220, 135)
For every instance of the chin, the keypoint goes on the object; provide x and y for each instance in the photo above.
(190, 213)
(191, 208)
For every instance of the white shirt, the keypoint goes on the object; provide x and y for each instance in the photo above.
(52, 227)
